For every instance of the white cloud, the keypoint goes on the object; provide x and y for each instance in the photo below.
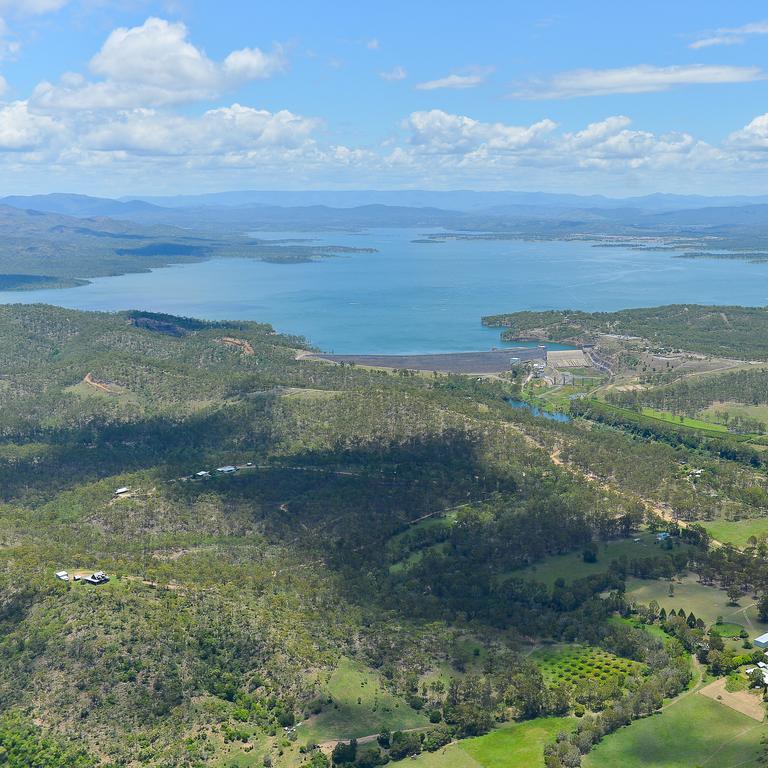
(456, 146)
(731, 35)
(453, 81)
(394, 74)
(597, 132)
(154, 65)
(438, 132)
(21, 130)
(254, 64)
(373, 44)
(216, 132)
(612, 145)
(3, 85)
(639, 79)
(753, 137)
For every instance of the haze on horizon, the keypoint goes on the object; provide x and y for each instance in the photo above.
(153, 98)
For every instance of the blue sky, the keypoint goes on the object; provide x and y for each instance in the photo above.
(140, 97)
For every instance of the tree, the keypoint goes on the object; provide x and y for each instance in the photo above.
(369, 757)
(344, 752)
(734, 593)
(715, 641)
(756, 679)
(762, 607)
(529, 694)
(404, 745)
(319, 760)
(590, 553)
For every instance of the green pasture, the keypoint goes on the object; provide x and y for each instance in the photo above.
(737, 532)
(513, 745)
(684, 421)
(572, 566)
(727, 629)
(361, 706)
(707, 603)
(759, 412)
(693, 732)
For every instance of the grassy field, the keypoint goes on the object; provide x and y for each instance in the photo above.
(692, 732)
(572, 565)
(707, 603)
(515, 745)
(737, 532)
(574, 664)
(451, 756)
(727, 629)
(413, 557)
(653, 629)
(683, 420)
(361, 706)
(759, 412)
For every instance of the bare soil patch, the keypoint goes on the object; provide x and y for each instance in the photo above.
(101, 386)
(742, 701)
(241, 344)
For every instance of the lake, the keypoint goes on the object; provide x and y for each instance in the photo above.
(415, 298)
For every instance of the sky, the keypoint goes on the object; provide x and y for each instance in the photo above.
(136, 97)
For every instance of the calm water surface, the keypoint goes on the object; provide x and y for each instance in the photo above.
(415, 297)
(564, 418)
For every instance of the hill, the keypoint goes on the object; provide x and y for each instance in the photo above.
(43, 250)
(241, 603)
(729, 331)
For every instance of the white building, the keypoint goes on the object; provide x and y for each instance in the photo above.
(762, 641)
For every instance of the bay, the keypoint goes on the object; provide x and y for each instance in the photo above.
(415, 298)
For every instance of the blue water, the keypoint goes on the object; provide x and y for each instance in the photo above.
(536, 411)
(415, 297)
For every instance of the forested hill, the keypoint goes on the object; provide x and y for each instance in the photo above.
(729, 331)
(44, 249)
(373, 531)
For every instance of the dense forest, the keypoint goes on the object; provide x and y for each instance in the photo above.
(222, 587)
(378, 524)
(739, 332)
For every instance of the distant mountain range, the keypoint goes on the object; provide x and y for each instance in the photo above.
(456, 200)
(536, 214)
